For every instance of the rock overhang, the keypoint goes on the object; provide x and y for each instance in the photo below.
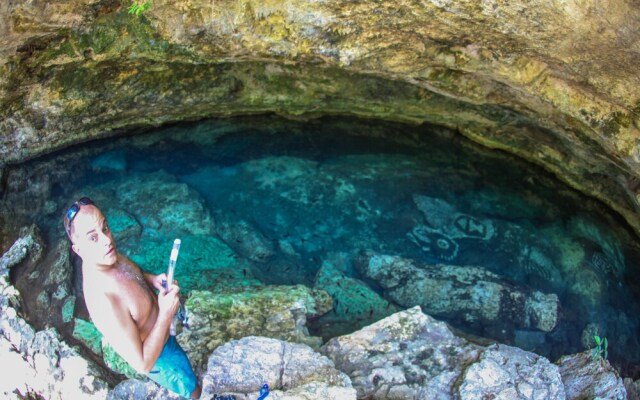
(511, 77)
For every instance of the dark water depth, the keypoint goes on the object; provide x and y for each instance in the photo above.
(311, 203)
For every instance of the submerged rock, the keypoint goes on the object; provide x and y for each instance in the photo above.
(113, 160)
(355, 304)
(157, 202)
(245, 239)
(292, 371)
(410, 355)
(275, 311)
(587, 378)
(473, 294)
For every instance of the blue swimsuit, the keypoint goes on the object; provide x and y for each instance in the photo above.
(173, 370)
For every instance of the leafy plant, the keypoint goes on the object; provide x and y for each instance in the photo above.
(137, 8)
(600, 352)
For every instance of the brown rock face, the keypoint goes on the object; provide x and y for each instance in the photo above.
(554, 82)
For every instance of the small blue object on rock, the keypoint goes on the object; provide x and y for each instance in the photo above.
(264, 392)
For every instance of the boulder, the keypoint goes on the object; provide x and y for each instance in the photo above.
(134, 389)
(292, 371)
(275, 311)
(586, 377)
(245, 239)
(505, 372)
(409, 355)
(472, 294)
(355, 304)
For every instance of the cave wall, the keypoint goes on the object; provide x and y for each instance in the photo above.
(554, 82)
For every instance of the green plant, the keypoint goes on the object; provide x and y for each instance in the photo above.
(137, 8)
(601, 350)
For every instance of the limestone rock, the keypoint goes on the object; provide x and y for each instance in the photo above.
(586, 378)
(245, 239)
(411, 355)
(473, 292)
(292, 371)
(28, 245)
(180, 210)
(355, 304)
(39, 363)
(633, 388)
(48, 367)
(505, 372)
(549, 82)
(275, 311)
(408, 353)
(133, 389)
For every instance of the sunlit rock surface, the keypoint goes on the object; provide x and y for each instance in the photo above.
(553, 82)
(409, 355)
(292, 371)
(587, 377)
(406, 355)
(279, 312)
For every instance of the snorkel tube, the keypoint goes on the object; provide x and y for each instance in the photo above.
(172, 266)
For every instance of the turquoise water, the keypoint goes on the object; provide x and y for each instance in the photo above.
(261, 201)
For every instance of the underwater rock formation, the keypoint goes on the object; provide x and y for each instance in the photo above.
(552, 82)
(474, 294)
(355, 304)
(292, 371)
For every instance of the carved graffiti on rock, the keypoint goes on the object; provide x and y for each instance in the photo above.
(434, 242)
(470, 226)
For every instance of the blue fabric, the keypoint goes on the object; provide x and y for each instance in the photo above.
(173, 370)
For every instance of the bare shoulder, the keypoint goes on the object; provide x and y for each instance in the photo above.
(127, 262)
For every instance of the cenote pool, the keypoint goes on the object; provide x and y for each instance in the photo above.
(382, 216)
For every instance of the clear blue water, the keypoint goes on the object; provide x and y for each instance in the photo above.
(286, 199)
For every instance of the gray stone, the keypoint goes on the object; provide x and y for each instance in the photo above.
(587, 337)
(41, 364)
(133, 389)
(245, 239)
(29, 244)
(110, 161)
(505, 372)
(292, 371)
(633, 388)
(355, 304)
(275, 311)
(409, 355)
(587, 378)
(472, 293)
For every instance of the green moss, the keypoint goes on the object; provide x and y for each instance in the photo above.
(117, 363)
(87, 333)
(67, 309)
(611, 127)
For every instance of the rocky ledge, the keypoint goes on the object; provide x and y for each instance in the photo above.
(553, 82)
(407, 355)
